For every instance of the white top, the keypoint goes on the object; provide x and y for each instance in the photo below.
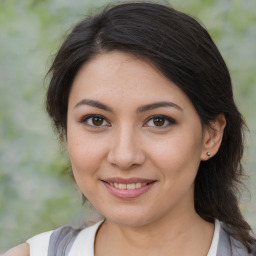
(215, 239)
(85, 242)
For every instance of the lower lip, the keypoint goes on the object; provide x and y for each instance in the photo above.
(128, 193)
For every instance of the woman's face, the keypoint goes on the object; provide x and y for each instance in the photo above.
(135, 140)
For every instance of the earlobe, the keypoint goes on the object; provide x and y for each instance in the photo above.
(213, 135)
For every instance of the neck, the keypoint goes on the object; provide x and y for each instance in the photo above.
(157, 238)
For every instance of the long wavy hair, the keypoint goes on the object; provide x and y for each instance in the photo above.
(185, 53)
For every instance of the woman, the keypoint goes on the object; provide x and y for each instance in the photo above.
(143, 100)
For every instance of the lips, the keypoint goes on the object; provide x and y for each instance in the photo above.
(128, 180)
(128, 188)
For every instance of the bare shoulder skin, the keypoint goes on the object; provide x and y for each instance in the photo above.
(20, 250)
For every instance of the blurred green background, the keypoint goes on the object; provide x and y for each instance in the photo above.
(36, 192)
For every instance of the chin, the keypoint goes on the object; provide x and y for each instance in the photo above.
(130, 222)
(131, 219)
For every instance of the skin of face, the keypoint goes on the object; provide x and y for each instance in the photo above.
(110, 133)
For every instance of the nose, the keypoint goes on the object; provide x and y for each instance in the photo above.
(125, 150)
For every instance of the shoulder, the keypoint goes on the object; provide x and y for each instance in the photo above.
(33, 246)
(39, 244)
(61, 240)
(20, 250)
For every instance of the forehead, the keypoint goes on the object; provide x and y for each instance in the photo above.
(120, 76)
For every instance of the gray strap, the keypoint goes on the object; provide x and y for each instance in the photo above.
(61, 241)
(228, 246)
(224, 245)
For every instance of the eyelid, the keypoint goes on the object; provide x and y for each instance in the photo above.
(167, 118)
(85, 118)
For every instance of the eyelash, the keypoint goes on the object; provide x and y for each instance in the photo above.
(85, 120)
(166, 119)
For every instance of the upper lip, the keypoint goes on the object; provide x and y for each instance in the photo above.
(127, 180)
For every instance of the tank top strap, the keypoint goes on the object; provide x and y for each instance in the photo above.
(61, 241)
(229, 246)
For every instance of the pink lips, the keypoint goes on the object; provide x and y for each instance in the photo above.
(125, 188)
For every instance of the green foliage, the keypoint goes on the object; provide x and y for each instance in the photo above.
(36, 192)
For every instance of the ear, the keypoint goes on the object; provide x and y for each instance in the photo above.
(212, 138)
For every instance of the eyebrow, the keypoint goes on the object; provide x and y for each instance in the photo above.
(93, 103)
(158, 105)
(141, 109)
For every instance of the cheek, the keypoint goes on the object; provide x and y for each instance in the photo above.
(179, 154)
(85, 161)
(84, 152)
(177, 147)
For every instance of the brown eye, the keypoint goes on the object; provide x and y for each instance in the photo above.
(158, 121)
(95, 121)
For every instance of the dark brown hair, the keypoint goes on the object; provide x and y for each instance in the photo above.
(185, 53)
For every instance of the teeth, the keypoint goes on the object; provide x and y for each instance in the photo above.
(138, 185)
(121, 186)
(128, 186)
(131, 186)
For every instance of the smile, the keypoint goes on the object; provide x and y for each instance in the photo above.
(128, 188)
